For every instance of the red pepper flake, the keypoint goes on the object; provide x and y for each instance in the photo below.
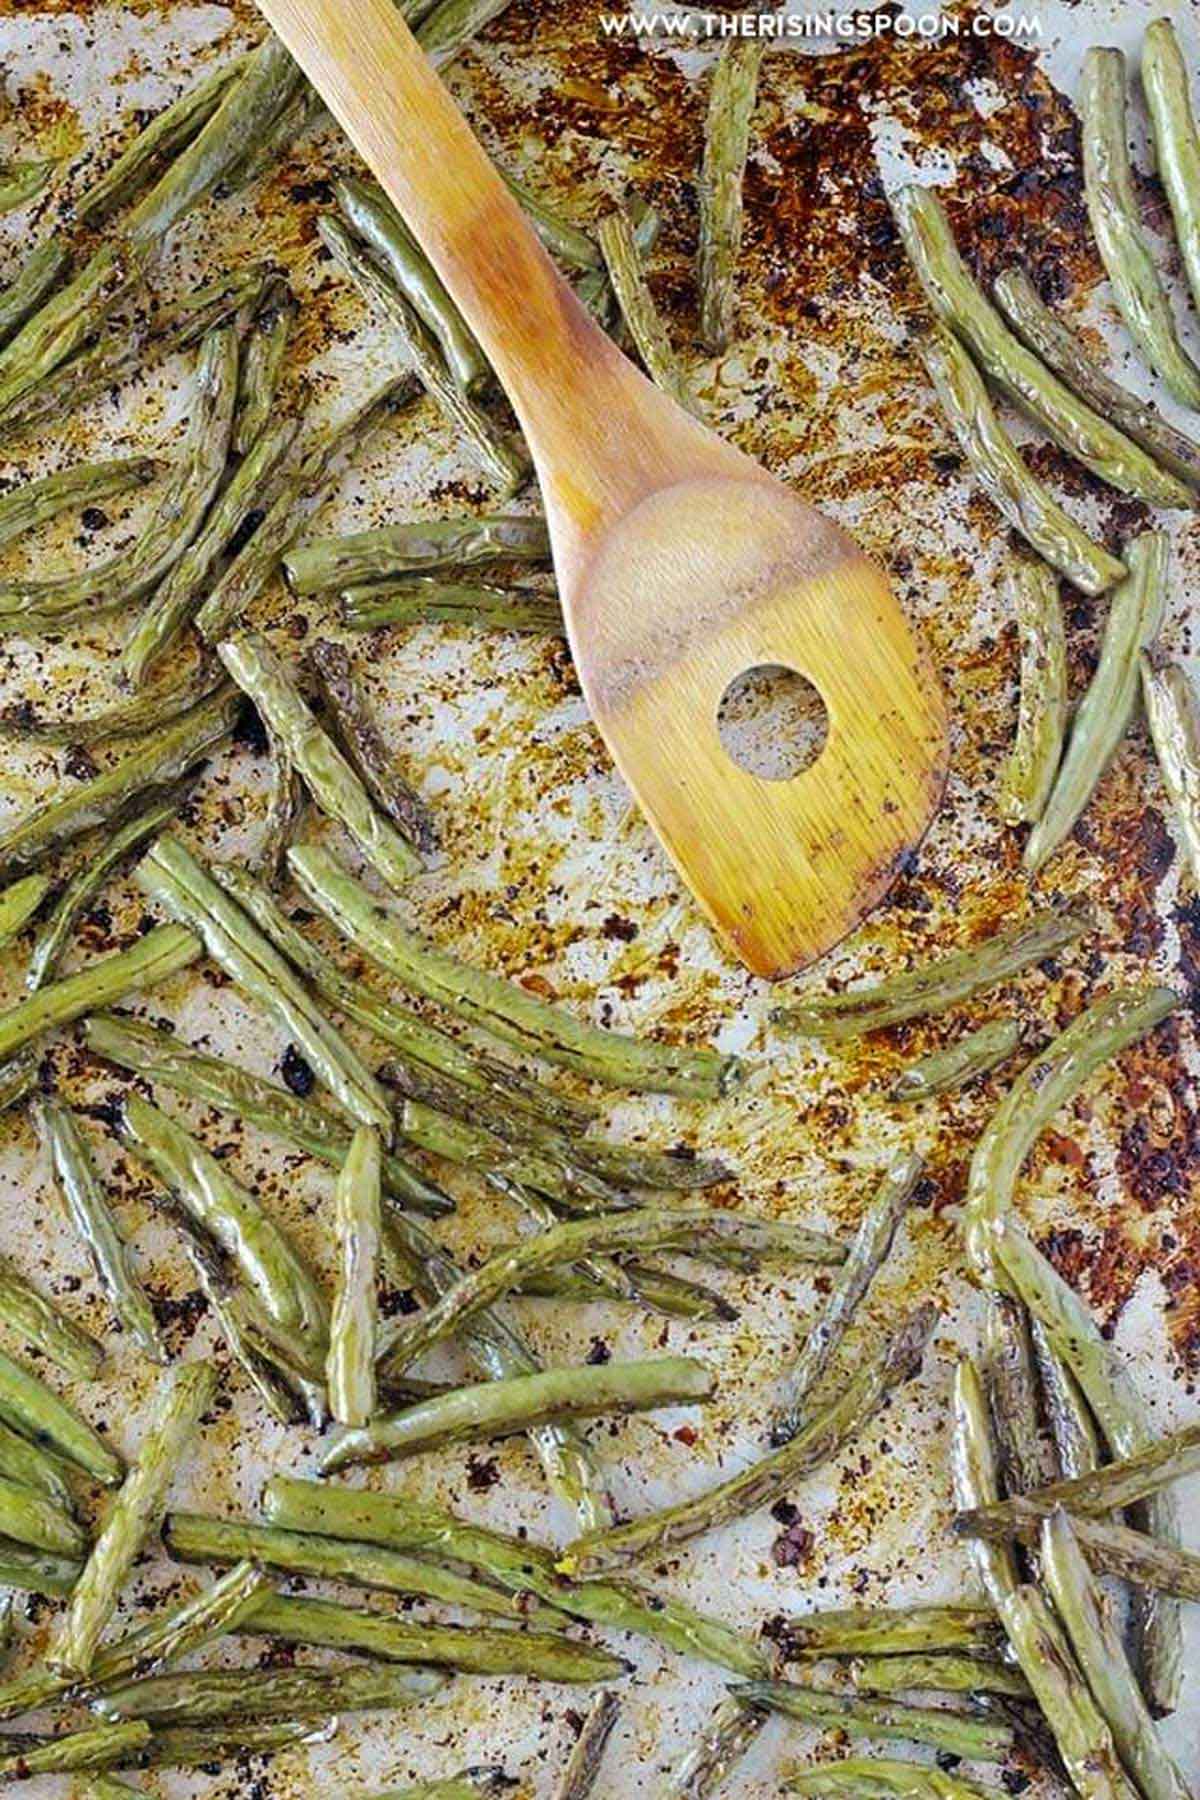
(685, 1435)
(792, 1547)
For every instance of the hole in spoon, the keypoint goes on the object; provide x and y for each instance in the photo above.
(772, 722)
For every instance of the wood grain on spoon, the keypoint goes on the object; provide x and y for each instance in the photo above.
(680, 562)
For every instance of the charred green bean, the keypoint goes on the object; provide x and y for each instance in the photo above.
(430, 599)
(353, 1331)
(35, 279)
(366, 747)
(880, 1778)
(957, 1734)
(976, 1478)
(1174, 722)
(151, 959)
(726, 143)
(41, 1326)
(203, 1696)
(35, 503)
(18, 903)
(622, 259)
(1042, 714)
(263, 356)
(1176, 140)
(944, 1070)
(454, 543)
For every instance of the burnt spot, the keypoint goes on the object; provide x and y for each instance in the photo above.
(297, 1073)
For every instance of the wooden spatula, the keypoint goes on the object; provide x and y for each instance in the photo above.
(680, 562)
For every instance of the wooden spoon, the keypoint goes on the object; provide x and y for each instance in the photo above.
(680, 562)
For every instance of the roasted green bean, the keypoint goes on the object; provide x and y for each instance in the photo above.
(1042, 714)
(327, 774)
(468, 1784)
(866, 1255)
(728, 1735)
(1017, 494)
(35, 279)
(89, 1212)
(366, 747)
(455, 543)
(41, 1326)
(726, 143)
(622, 259)
(21, 182)
(944, 1070)
(1176, 140)
(1103, 715)
(263, 356)
(353, 1331)
(45, 604)
(35, 1571)
(100, 1747)
(177, 599)
(938, 985)
(955, 1733)
(583, 1765)
(1012, 1394)
(1174, 722)
(504, 461)
(200, 1746)
(167, 133)
(1132, 1556)
(430, 599)
(203, 1696)
(18, 903)
(875, 1631)
(880, 1778)
(498, 1408)
(300, 493)
(30, 1518)
(184, 1395)
(35, 503)
(976, 1480)
(498, 1006)
(157, 1054)
(26, 1462)
(151, 959)
(1076, 1439)
(961, 304)
(1110, 1488)
(64, 319)
(1116, 223)
(940, 1674)
(559, 235)
(1059, 348)
(171, 875)
(451, 25)
(765, 1481)
(285, 809)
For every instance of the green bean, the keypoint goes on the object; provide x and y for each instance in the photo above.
(350, 1366)
(498, 1408)
(209, 1195)
(18, 1078)
(180, 596)
(454, 543)
(369, 212)
(498, 1006)
(198, 1746)
(300, 493)
(193, 1537)
(171, 875)
(944, 1070)
(643, 321)
(474, 1650)
(285, 809)
(1176, 140)
(976, 1481)
(505, 463)
(403, 1030)
(880, 1778)
(364, 744)
(64, 320)
(1116, 224)
(41, 1326)
(327, 774)
(867, 1254)
(1043, 711)
(558, 234)
(89, 1212)
(1076, 1439)
(151, 959)
(277, 141)
(1011, 1384)
(1110, 1488)
(123, 350)
(958, 1734)
(34, 503)
(130, 715)
(105, 1787)
(1017, 494)
(203, 1696)
(167, 133)
(725, 1739)
(268, 81)
(517, 1564)
(429, 599)
(36, 1572)
(1080, 1732)
(765, 1481)
(162, 757)
(157, 1054)
(21, 182)
(1100, 1649)
(935, 987)
(940, 1674)
(960, 303)
(35, 280)
(582, 1771)
(1045, 1084)
(18, 903)
(1102, 716)
(1059, 348)
(1111, 1549)
(1120, 1416)
(168, 1637)
(183, 1396)
(876, 1631)
(33, 1467)
(466, 1785)
(45, 604)
(263, 355)
(641, 1228)
(30, 1518)
(726, 143)
(451, 26)
(101, 1747)
(1175, 730)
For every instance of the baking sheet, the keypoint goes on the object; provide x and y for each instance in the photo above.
(548, 874)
